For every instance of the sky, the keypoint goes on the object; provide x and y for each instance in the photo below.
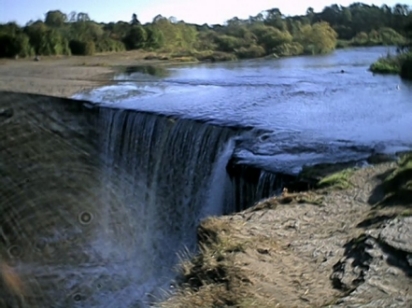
(193, 11)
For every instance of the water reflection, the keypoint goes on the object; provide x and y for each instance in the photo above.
(135, 72)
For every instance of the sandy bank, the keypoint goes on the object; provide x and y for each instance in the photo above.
(65, 76)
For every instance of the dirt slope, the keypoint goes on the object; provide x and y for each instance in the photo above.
(330, 247)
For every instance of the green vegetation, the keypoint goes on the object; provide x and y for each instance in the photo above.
(406, 69)
(400, 64)
(397, 186)
(394, 64)
(387, 65)
(269, 33)
(339, 180)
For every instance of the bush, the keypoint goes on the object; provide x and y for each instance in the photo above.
(109, 45)
(228, 43)
(342, 44)
(289, 49)
(250, 52)
(80, 48)
(385, 66)
(393, 65)
(406, 69)
(215, 56)
(391, 37)
(15, 45)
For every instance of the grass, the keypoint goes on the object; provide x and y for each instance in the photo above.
(406, 213)
(213, 278)
(397, 186)
(338, 180)
(386, 66)
(390, 64)
(99, 64)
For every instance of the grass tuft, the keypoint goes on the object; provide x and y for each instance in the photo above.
(397, 186)
(213, 278)
(390, 64)
(339, 180)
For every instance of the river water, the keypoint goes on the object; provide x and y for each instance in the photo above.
(114, 217)
(315, 108)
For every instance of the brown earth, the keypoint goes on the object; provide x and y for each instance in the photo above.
(65, 76)
(325, 248)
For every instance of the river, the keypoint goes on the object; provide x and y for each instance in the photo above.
(314, 108)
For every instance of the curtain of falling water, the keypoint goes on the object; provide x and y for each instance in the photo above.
(93, 215)
(160, 170)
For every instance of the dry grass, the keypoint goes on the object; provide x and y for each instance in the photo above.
(310, 197)
(213, 278)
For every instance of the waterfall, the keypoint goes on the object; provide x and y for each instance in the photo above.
(166, 174)
(97, 203)
(251, 184)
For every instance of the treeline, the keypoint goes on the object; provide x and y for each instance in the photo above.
(269, 32)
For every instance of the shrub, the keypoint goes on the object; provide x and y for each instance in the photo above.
(250, 52)
(81, 48)
(392, 64)
(18, 45)
(289, 49)
(109, 45)
(406, 69)
(228, 43)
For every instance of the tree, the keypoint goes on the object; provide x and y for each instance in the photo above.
(270, 37)
(134, 21)
(15, 45)
(310, 13)
(155, 38)
(82, 17)
(136, 37)
(317, 39)
(55, 19)
(274, 18)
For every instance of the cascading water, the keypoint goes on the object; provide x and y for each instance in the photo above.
(160, 169)
(97, 203)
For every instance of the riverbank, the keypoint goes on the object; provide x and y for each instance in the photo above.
(400, 64)
(66, 76)
(339, 246)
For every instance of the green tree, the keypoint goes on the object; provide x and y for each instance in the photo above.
(136, 37)
(155, 38)
(134, 21)
(55, 19)
(270, 37)
(275, 19)
(15, 45)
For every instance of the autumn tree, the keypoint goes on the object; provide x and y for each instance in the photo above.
(318, 39)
